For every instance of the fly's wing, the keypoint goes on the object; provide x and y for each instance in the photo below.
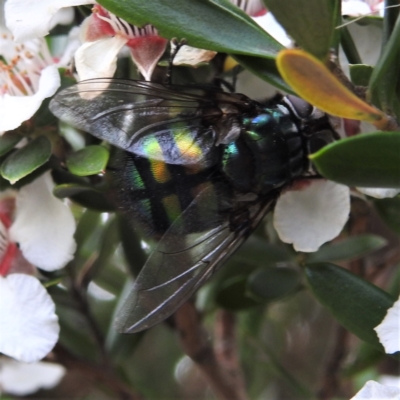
(180, 265)
(138, 116)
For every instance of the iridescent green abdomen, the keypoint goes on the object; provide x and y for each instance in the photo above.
(155, 194)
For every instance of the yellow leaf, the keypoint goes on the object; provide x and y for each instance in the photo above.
(313, 81)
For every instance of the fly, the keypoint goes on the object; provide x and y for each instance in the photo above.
(198, 169)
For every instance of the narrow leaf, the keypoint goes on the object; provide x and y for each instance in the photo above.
(26, 160)
(273, 283)
(8, 142)
(212, 24)
(347, 249)
(385, 78)
(369, 160)
(389, 210)
(358, 305)
(70, 189)
(313, 81)
(264, 68)
(298, 17)
(85, 195)
(360, 74)
(232, 294)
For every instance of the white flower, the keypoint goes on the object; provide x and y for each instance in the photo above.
(253, 8)
(375, 391)
(188, 55)
(43, 225)
(43, 228)
(28, 19)
(28, 323)
(22, 100)
(271, 25)
(312, 216)
(21, 379)
(104, 35)
(356, 8)
(388, 330)
(28, 72)
(379, 193)
(27, 77)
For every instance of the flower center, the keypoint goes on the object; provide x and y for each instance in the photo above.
(22, 65)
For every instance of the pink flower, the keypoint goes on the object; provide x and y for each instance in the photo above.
(104, 35)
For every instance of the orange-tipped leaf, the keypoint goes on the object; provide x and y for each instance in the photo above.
(313, 81)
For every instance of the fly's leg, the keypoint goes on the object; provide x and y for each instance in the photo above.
(174, 51)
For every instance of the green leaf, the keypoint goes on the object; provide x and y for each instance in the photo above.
(120, 346)
(108, 243)
(94, 200)
(347, 249)
(232, 294)
(133, 251)
(273, 283)
(389, 210)
(349, 47)
(264, 68)
(70, 189)
(309, 22)
(87, 224)
(360, 74)
(385, 80)
(358, 305)
(367, 356)
(75, 334)
(25, 160)
(392, 13)
(259, 253)
(8, 141)
(369, 160)
(90, 160)
(212, 24)
(84, 195)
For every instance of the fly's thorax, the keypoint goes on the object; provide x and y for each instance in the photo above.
(313, 123)
(269, 153)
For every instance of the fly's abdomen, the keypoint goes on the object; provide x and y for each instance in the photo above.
(156, 194)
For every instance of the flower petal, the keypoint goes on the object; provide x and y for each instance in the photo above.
(70, 49)
(27, 105)
(44, 225)
(29, 325)
(389, 380)
(375, 391)
(271, 25)
(379, 193)
(21, 379)
(19, 15)
(98, 59)
(145, 53)
(188, 55)
(63, 16)
(388, 330)
(355, 8)
(312, 216)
